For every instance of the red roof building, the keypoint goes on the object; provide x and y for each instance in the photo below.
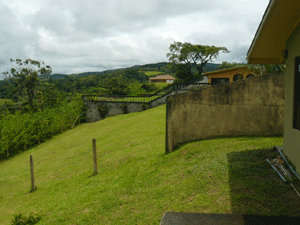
(162, 79)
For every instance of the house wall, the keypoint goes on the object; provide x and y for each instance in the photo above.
(291, 139)
(228, 74)
(246, 107)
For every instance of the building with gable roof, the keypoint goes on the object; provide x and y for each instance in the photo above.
(162, 79)
(228, 75)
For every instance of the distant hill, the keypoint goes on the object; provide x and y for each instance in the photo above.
(211, 67)
(208, 68)
(151, 65)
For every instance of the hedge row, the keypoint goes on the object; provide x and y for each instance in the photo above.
(19, 131)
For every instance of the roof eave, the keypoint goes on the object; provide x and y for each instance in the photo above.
(260, 27)
(265, 60)
(278, 23)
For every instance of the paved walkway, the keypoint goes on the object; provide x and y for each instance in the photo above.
(177, 218)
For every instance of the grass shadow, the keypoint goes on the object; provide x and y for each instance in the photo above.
(255, 189)
(92, 175)
(181, 145)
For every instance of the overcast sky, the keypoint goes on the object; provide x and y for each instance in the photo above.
(75, 36)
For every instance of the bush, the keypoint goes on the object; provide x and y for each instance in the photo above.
(20, 131)
(145, 106)
(103, 110)
(20, 219)
(124, 107)
(149, 87)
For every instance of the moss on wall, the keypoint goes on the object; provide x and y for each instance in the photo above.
(246, 107)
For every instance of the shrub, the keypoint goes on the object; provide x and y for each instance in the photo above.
(149, 87)
(145, 106)
(20, 219)
(103, 110)
(20, 131)
(124, 107)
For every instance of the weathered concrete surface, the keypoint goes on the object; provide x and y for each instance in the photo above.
(93, 115)
(247, 107)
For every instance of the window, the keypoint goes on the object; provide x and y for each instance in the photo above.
(296, 114)
(219, 80)
(238, 77)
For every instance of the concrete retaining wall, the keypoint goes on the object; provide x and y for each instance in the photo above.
(93, 115)
(247, 107)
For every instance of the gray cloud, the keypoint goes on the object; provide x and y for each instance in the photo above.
(76, 36)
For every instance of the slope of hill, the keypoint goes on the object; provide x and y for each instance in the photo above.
(137, 182)
(208, 67)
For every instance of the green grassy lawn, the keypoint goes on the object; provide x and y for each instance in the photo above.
(152, 73)
(137, 182)
(161, 85)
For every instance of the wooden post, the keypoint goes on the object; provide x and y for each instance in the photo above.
(95, 156)
(32, 175)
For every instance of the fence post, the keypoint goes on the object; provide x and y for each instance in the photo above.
(95, 156)
(33, 188)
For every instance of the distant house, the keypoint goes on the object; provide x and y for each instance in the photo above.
(228, 75)
(162, 79)
(277, 41)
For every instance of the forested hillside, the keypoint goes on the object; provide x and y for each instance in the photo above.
(53, 87)
(35, 105)
(162, 67)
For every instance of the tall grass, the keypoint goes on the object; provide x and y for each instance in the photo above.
(19, 131)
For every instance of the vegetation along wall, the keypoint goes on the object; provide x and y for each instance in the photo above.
(246, 107)
(94, 108)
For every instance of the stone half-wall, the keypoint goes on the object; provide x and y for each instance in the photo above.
(93, 115)
(246, 107)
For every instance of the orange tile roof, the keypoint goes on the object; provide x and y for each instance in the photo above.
(241, 68)
(163, 77)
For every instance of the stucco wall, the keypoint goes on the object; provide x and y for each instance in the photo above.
(291, 138)
(247, 107)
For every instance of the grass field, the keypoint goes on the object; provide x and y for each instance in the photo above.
(137, 182)
(161, 85)
(152, 73)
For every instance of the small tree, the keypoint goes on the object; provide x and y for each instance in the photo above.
(26, 74)
(188, 60)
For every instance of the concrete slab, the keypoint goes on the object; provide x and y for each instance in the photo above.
(178, 218)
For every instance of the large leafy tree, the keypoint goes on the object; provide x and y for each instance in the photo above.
(188, 60)
(25, 74)
(228, 65)
(266, 69)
